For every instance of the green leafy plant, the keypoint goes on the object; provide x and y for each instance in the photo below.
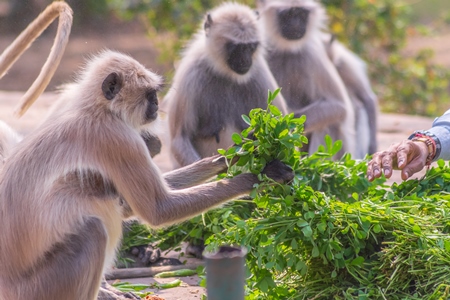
(329, 234)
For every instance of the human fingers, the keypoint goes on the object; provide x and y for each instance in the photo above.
(413, 156)
(383, 162)
(375, 165)
(373, 169)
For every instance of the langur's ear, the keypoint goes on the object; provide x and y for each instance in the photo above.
(112, 85)
(208, 23)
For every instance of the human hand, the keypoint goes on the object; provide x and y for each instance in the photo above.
(408, 156)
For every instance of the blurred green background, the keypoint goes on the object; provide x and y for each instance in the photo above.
(396, 37)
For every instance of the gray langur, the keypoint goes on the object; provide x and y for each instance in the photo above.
(353, 71)
(66, 188)
(222, 74)
(310, 83)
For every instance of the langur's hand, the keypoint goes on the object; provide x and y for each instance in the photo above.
(278, 171)
(408, 156)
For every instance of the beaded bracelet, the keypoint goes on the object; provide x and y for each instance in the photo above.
(432, 142)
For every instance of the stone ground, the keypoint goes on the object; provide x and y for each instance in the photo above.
(132, 40)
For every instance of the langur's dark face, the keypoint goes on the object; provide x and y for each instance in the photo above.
(151, 113)
(240, 56)
(293, 22)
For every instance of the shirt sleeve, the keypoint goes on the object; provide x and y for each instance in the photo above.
(441, 129)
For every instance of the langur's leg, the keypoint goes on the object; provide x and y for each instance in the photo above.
(73, 268)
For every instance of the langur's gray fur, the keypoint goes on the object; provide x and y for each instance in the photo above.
(353, 71)
(63, 187)
(8, 139)
(208, 97)
(309, 81)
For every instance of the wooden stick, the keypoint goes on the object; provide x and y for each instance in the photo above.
(148, 272)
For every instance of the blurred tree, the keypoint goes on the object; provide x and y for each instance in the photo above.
(377, 30)
(87, 13)
(20, 14)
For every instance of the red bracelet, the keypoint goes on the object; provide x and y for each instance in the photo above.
(431, 144)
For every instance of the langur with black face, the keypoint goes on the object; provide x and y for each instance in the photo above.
(221, 76)
(353, 71)
(66, 188)
(310, 83)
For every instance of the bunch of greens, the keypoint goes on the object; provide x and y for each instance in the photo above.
(328, 234)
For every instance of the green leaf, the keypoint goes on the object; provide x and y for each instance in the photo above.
(272, 95)
(294, 245)
(263, 285)
(336, 147)
(377, 228)
(307, 231)
(246, 119)
(358, 261)
(315, 252)
(274, 110)
(302, 223)
(322, 227)
(237, 139)
(417, 230)
(309, 215)
(447, 245)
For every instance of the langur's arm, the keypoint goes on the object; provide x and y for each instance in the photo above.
(196, 173)
(370, 103)
(322, 113)
(182, 148)
(141, 184)
(279, 101)
(333, 102)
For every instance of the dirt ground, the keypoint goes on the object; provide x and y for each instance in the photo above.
(133, 40)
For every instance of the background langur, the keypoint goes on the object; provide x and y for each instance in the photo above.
(353, 71)
(222, 75)
(73, 171)
(299, 63)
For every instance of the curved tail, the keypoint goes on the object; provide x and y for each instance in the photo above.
(27, 37)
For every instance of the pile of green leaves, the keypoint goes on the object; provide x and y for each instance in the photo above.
(329, 234)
